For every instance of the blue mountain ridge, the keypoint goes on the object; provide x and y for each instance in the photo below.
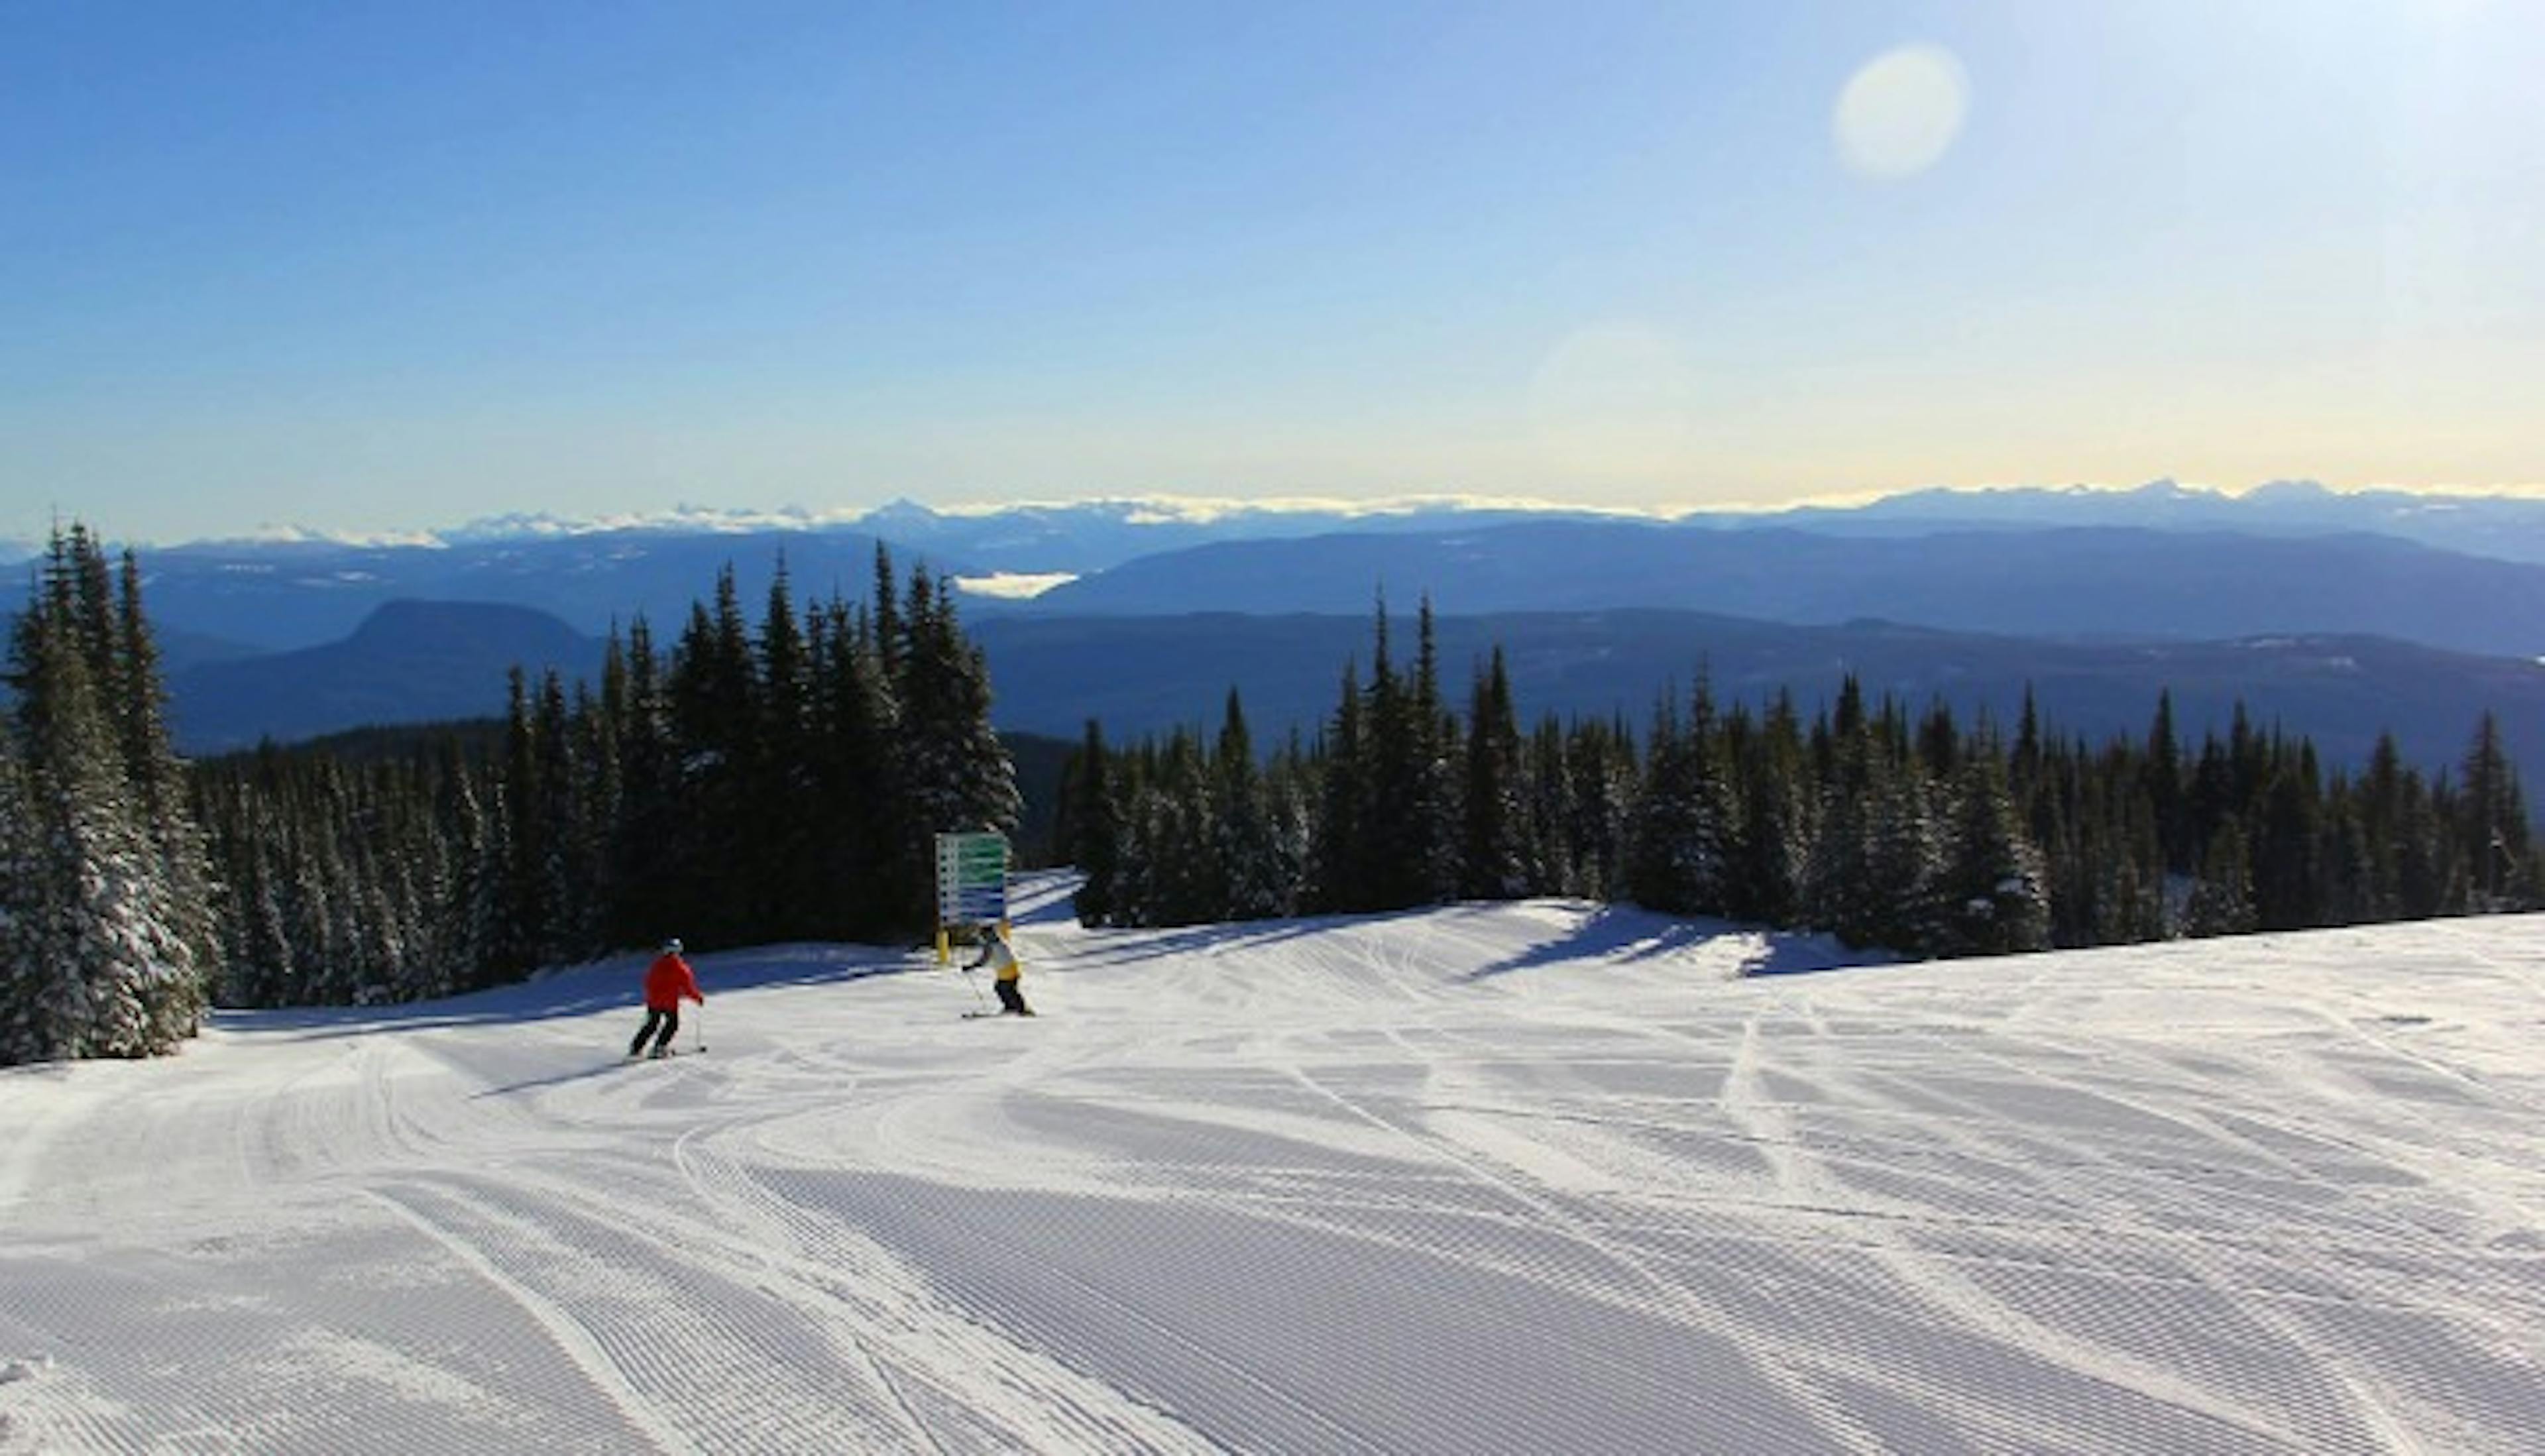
(1147, 675)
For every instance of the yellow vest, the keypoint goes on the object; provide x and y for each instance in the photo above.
(1003, 961)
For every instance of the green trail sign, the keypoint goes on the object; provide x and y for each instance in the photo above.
(971, 879)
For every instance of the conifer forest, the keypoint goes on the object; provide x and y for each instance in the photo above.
(781, 778)
(1885, 825)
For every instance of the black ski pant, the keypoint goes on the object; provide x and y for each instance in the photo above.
(668, 1018)
(1012, 1000)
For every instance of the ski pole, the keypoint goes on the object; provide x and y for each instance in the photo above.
(698, 1023)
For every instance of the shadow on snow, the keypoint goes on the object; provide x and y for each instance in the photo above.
(613, 985)
(1627, 933)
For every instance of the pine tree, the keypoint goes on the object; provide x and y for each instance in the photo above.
(955, 776)
(1684, 814)
(2160, 776)
(1602, 759)
(2385, 812)
(1287, 795)
(775, 881)
(2128, 852)
(525, 900)
(1841, 889)
(1392, 812)
(1431, 830)
(1906, 859)
(2286, 841)
(2491, 825)
(2222, 897)
(1187, 883)
(1340, 865)
(1992, 895)
(1494, 844)
(713, 695)
(565, 890)
(645, 837)
(1548, 855)
(139, 703)
(1772, 845)
(856, 798)
(25, 1034)
(1258, 876)
(1092, 828)
(114, 972)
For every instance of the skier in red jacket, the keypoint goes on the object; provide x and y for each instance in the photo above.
(667, 979)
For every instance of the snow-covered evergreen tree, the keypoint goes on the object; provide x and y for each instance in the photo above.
(1684, 814)
(114, 963)
(23, 1036)
(1407, 814)
(139, 702)
(1600, 756)
(1188, 884)
(1771, 843)
(2222, 897)
(1258, 872)
(953, 774)
(1548, 807)
(1992, 894)
(859, 818)
(1905, 861)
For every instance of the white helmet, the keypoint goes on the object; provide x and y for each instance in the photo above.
(671, 946)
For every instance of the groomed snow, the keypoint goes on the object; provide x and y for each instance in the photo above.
(1539, 1177)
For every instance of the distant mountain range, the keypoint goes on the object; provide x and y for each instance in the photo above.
(1146, 675)
(2334, 614)
(1097, 535)
(2083, 582)
(276, 596)
(2509, 528)
(2009, 562)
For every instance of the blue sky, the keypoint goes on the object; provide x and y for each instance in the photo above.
(390, 267)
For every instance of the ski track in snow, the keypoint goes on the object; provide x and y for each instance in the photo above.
(1486, 1179)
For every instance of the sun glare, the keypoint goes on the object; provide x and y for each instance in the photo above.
(1900, 113)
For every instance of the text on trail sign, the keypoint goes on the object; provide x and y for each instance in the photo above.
(971, 879)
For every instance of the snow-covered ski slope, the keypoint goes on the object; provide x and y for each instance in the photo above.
(1537, 1177)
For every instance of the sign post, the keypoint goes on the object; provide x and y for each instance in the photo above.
(971, 883)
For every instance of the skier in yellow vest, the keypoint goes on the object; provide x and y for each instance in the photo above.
(1004, 970)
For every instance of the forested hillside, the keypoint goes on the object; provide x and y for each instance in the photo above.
(1890, 824)
(753, 784)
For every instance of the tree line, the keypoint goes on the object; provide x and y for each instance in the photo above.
(1886, 826)
(757, 781)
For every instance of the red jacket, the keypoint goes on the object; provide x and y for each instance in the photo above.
(669, 979)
